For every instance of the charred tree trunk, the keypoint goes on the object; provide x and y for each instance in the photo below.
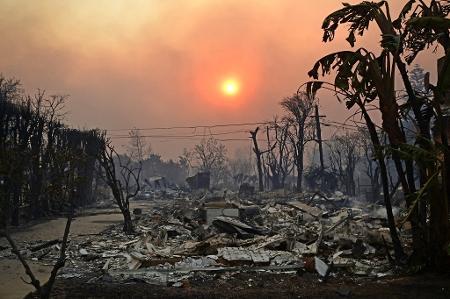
(299, 158)
(398, 249)
(36, 169)
(121, 193)
(375, 184)
(15, 206)
(258, 155)
(92, 148)
(128, 227)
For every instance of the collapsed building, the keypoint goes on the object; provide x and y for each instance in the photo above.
(225, 232)
(199, 181)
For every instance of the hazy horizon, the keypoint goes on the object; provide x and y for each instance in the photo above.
(161, 63)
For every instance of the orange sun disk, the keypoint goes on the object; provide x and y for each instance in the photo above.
(230, 87)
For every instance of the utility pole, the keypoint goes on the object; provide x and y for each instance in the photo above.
(319, 138)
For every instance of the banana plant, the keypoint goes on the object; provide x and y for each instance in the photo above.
(365, 77)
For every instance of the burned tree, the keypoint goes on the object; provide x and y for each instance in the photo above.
(258, 154)
(138, 149)
(344, 155)
(122, 176)
(35, 148)
(300, 107)
(43, 291)
(211, 156)
(279, 154)
(71, 177)
(242, 168)
(372, 169)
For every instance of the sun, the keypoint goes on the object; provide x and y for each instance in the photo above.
(230, 87)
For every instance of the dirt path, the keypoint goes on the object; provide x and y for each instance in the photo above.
(11, 271)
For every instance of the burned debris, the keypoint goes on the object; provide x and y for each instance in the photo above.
(179, 238)
(199, 181)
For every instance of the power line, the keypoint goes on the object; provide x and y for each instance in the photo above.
(328, 123)
(214, 126)
(193, 126)
(199, 139)
(178, 136)
(341, 126)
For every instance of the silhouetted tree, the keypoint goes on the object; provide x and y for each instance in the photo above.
(211, 156)
(344, 155)
(258, 155)
(279, 154)
(35, 148)
(123, 179)
(371, 166)
(300, 107)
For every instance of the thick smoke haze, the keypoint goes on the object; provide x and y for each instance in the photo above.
(159, 63)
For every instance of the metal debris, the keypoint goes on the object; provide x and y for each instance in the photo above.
(273, 232)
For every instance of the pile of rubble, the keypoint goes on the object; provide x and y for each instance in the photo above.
(217, 236)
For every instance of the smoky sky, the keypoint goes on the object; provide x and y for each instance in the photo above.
(159, 63)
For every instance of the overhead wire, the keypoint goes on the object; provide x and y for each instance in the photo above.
(193, 126)
(207, 131)
(205, 134)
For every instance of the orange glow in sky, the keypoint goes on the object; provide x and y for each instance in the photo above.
(224, 81)
(230, 87)
(215, 61)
